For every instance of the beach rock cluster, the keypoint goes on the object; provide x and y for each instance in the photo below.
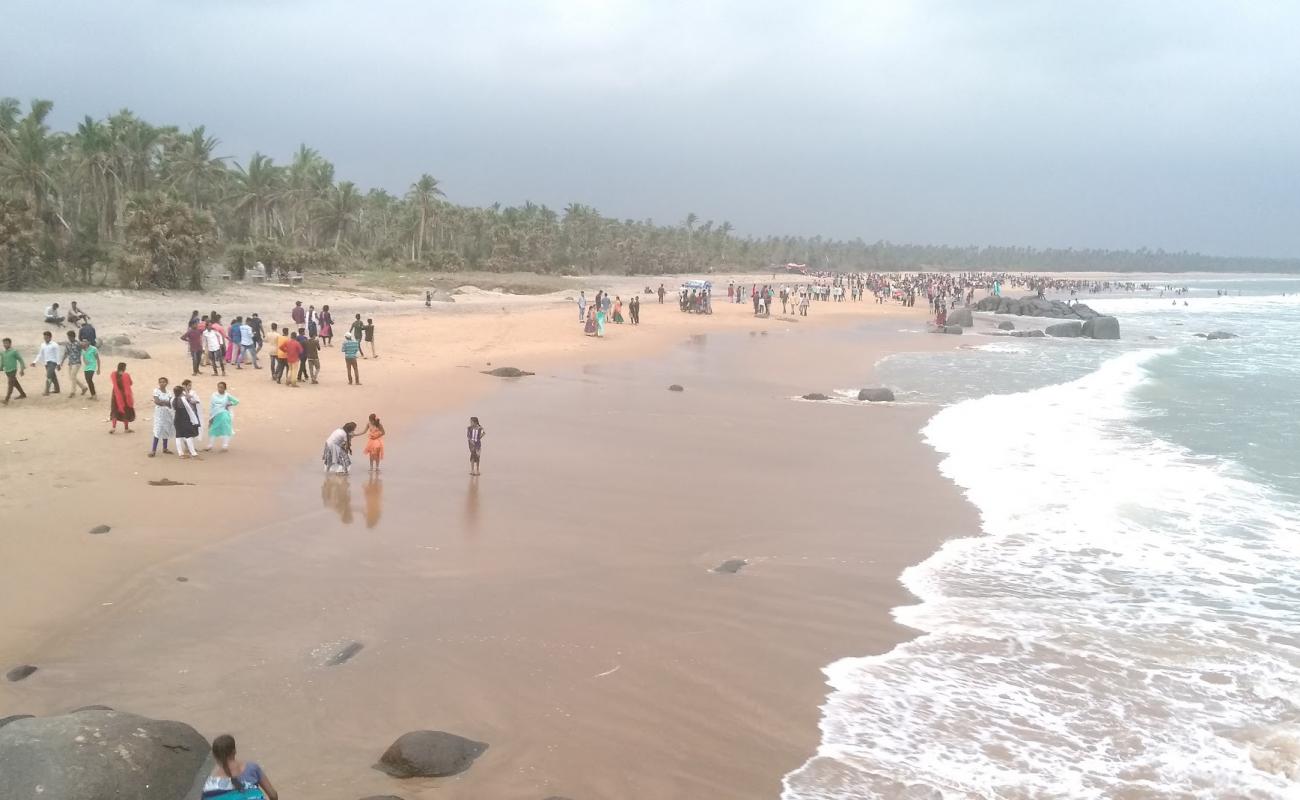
(1005, 325)
(1101, 327)
(962, 317)
(1033, 306)
(1071, 329)
(815, 396)
(429, 754)
(91, 755)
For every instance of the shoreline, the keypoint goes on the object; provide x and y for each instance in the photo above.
(776, 687)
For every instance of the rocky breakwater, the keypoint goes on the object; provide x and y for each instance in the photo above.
(1094, 325)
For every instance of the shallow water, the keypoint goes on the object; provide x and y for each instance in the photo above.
(1127, 621)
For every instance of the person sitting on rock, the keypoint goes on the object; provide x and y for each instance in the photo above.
(235, 779)
(52, 315)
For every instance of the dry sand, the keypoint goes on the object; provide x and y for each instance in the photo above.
(561, 608)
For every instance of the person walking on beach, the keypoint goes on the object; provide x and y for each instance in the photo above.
(292, 355)
(87, 332)
(311, 356)
(48, 355)
(375, 444)
(90, 365)
(221, 420)
(298, 315)
(358, 330)
(215, 343)
(164, 419)
(121, 404)
(247, 345)
(185, 420)
(313, 325)
(11, 362)
(474, 436)
(369, 331)
(634, 309)
(232, 775)
(661, 294)
(351, 348)
(72, 357)
(582, 307)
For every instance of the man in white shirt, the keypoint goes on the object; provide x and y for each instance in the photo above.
(246, 346)
(52, 315)
(215, 344)
(49, 355)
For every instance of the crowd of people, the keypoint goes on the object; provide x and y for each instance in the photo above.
(605, 309)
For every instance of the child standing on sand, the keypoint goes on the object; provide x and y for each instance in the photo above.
(375, 445)
(474, 435)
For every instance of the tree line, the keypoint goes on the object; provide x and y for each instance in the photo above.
(119, 200)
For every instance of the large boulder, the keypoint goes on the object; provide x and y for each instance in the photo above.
(1071, 329)
(96, 755)
(881, 395)
(1101, 328)
(1027, 334)
(429, 754)
(962, 317)
(1004, 325)
(1219, 335)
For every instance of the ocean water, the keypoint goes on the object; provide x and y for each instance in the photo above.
(1127, 622)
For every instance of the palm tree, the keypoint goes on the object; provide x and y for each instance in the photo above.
(27, 161)
(423, 195)
(192, 168)
(342, 206)
(256, 191)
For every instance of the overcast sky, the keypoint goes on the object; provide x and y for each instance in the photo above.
(1087, 124)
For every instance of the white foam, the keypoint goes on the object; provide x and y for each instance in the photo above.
(1128, 626)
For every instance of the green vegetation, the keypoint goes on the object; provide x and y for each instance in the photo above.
(122, 200)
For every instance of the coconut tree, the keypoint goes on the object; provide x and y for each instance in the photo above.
(424, 196)
(255, 192)
(340, 208)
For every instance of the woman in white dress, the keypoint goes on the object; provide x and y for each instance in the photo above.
(164, 419)
(338, 449)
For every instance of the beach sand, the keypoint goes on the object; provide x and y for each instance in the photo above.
(561, 608)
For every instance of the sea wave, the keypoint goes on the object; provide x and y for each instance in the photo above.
(1128, 626)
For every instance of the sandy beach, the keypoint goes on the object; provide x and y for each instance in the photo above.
(561, 608)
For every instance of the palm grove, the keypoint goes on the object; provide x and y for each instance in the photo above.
(121, 200)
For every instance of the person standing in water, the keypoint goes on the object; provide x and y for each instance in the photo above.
(375, 444)
(474, 436)
(233, 775)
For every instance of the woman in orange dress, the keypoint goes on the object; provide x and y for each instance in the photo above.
(375, 444)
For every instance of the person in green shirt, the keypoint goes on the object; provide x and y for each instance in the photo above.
(12, 365)
(358, 330)
(90, 361)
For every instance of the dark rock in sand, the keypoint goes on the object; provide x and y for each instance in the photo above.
(952, 329)
(676, 387)
(1028, 334)
(815, 396)
(119, 340)
(100, 529)
(1221, 335)
(18, 673)
(349, 650)
(14, 718)
(1006, 326)
(124, 352)
(169, 482)
(731, 566)
(508, 372)
(182, 579)
(1071, 329)
(962, 317)
(880, 395)
(1101, 328)
(89, 708)
(429, 754)
(97, 755)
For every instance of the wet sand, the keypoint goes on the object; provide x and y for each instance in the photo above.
(561, 607)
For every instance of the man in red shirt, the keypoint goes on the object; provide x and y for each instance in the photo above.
(292, 355)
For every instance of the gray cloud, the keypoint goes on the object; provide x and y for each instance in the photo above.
(1110, 124)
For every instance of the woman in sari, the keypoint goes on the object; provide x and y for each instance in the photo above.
(326, 326)
(590, 328)
(121, 407)
(337, 454)
(221, 420)
(618, 311)
(164, 421)
(600, 322)
(375, 445)
(186, 415)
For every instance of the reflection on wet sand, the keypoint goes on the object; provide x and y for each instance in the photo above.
(374, 492)
(471, 507)
(336, 495)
